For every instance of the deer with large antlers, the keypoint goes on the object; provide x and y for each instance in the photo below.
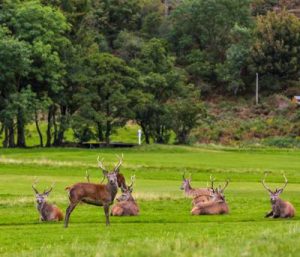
(216, 204)
(95, 194)
(198, 194)
(126, 205)
(47, 211)
(280, 208)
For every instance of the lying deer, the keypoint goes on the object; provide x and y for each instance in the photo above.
(126, 205)
(198, 194)
(280, 208)
(216, 205)
(48, 212)
(95, 194)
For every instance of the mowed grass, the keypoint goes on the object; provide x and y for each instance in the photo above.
(164, 226)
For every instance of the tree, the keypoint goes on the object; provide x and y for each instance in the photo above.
(186, 112)
(14, 68)
(201, 35)
(233, 71)
(161, 82)
(43, 28)
(275, 51)
(106, 97)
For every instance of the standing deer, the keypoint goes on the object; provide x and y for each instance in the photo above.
(95, 194)
(198, 194)
(280, 208)
(48, 212)
(126, 205)
(216, 205)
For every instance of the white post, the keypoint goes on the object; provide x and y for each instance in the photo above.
(256, 93)
(140, 136)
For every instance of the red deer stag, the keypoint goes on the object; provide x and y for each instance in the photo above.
(198, 194)
(280, 208)
(48, 212)
(95, 194)
(216, 205)
(126, 205)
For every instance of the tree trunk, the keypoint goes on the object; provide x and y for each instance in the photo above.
(146, 134)
(100, 132)
(49, 126)
(5, 141)
(38, 129)
(54, 126)
(107, 132)
(59, 138)
(11, 135)
(108, 123)
(20, 130)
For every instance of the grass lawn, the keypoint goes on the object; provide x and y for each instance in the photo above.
(164, 226)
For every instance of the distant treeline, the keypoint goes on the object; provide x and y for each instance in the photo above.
(92, 65)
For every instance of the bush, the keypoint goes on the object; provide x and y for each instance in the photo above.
(282, 142)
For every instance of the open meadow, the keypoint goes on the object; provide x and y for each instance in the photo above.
(165, 226)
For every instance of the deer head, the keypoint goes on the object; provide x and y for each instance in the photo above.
(185, 182)
(126, 192)
(111, 176)
(274, 195)
(218, 193)
(41, 197)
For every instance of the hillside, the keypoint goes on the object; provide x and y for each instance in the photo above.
(275, 121)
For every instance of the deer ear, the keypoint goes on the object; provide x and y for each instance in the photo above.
(105, 173)
(279, 191)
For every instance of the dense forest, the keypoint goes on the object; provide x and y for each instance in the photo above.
(93, 65)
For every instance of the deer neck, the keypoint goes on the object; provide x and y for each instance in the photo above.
(113, 189)
(41, 206)
(276, 201)
(131, 199)
(188, 189)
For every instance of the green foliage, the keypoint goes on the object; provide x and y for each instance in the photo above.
(106, 99)
(282, 142)
(201, 34)
(233, 70)
(128, 45)
(275, 52)
(186, 113)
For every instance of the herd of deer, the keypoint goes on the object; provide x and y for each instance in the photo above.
(208, 200)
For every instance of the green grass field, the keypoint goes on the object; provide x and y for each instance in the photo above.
(164, 226)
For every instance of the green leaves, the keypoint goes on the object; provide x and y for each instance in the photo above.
(275, 52)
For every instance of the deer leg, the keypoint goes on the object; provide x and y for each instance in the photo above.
(69, 210)
(269, 214)
(106, 211)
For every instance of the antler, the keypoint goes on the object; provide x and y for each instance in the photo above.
(286, 181)
(132, 181)
(116, 169)
(87, 176)
(226, 184)
(33, 185)
(264, 184)
(212, 179)
(47, 192)
(100, 164)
